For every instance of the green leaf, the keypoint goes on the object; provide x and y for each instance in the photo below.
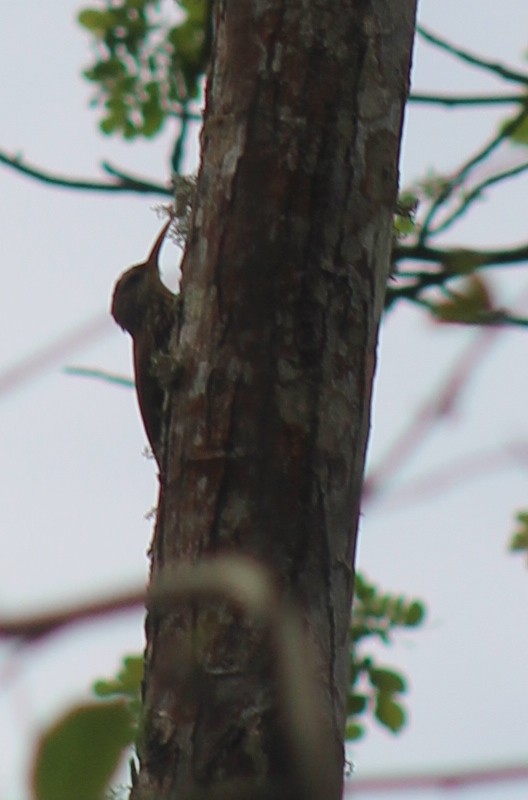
(125, 685)
(196, 11)
(466, 305)
(110, 124)
(519, 540)
(358, 632)
(387, 680)
(519, 135)
(395, 609)
(389, 713)
(77, 756)
(356, 704)
(98, 22)
(403, 226)
(127, 681)
(353, 731)
(462, 261)
(130, 130)
(414, 614)
(110, 69)
(153, 114)
(362, 589)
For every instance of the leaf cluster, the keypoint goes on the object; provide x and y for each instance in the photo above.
(519, 541)
(376, 689)
(146, 68)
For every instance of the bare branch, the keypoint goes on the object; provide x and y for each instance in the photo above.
(475, 193)
(476, 61)
(99, 374)
(447, 260)
(126, 183)
(437, 255)
(457, 180)
(35, 626)
(469, 100)
(440, 780)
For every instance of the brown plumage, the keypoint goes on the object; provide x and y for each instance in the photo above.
(146, 309)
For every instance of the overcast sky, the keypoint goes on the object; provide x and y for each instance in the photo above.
(75, 488)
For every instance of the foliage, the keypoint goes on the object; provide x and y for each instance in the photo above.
(150, 61)
(126, 686)
(373, 688)
(519, 541)
(470, 303)
(146, 67)
(79, 753)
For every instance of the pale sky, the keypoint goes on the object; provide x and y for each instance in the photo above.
(75, 488)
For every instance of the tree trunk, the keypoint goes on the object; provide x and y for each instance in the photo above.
(283, 284)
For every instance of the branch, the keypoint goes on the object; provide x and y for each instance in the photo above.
(99, 374)
(476, 61)
(453, 263)
(440, 781)
(493, 318)
(35, 626)
(469, 100)
(436, 255)
(475, 193)
(464, 171)
(126, 183)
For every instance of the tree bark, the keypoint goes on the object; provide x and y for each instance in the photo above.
(283, 283)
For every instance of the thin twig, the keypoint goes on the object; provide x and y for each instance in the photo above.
(448, 259)
(126, 183)
(99, 374)
(437, 255)
(35, 626)
(178, 150)
(439, 781)
(462, 173)
(477, 61)
(475, 193)
(469, 100)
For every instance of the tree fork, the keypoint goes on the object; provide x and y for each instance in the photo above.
(283, 282)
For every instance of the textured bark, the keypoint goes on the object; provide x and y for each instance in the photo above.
(283, 284)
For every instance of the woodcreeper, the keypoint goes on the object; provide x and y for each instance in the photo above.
(147, 310)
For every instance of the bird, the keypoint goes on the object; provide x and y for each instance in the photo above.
(146, 309)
